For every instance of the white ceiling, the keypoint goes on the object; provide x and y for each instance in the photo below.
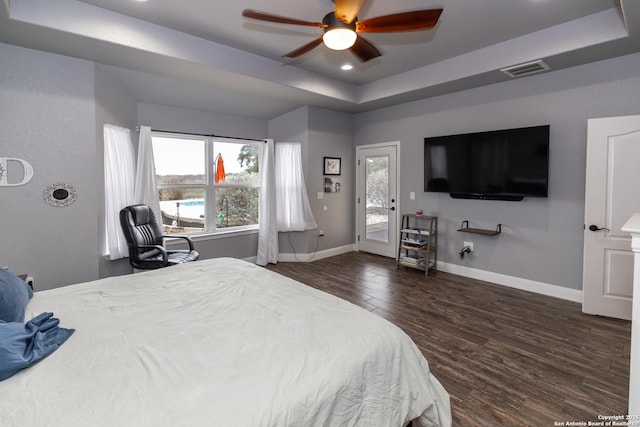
(204, 54)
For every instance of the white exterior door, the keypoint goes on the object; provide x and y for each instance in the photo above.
(611, 198)
(377, 201)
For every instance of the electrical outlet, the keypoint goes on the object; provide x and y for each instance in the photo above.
(321, 233)
(469, 244)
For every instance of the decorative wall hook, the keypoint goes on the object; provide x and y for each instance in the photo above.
(60, 194)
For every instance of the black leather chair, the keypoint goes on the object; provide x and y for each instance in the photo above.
(146, 241)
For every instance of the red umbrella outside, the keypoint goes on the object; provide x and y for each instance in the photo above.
(220, 174)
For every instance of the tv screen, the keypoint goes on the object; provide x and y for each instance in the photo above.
(507, 164)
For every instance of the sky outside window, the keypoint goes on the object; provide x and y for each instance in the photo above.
(175, 156)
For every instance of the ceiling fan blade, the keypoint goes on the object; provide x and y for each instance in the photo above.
(405, 21)
(346, 10)
(263, 16)
(303, 49)
(364, 50)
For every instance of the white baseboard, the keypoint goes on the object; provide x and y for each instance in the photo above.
(317, 255)
(556, 291)
(542, 288)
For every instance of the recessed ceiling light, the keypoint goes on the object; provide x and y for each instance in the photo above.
(141, 1)
(346, 67)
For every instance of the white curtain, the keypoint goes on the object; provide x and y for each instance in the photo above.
(267, 231)
(119, 172)
(292, 203)
(146, 190)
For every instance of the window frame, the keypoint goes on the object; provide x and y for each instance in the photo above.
(209, 186)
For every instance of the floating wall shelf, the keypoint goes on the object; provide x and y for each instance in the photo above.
(466, 229)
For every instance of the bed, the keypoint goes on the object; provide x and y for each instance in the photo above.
(220, 342)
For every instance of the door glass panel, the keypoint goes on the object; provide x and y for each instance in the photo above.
(377, 198)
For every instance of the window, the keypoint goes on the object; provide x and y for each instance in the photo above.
(191, 200)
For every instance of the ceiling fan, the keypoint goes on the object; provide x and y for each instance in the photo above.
(342, 26)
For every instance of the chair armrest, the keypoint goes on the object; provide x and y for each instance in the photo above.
(187, 238)
(162, 250)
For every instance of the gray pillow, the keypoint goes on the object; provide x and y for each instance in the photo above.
(14, 296)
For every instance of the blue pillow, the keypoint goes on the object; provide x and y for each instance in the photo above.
(14, 296)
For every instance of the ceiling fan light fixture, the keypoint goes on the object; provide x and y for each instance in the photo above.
(342, 33)
(338, 35)
(339, 38)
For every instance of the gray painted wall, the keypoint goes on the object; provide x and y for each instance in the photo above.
(53, 108)
(162, 117)
(116, 106)
(331, 135)
(541, 238)
(322, 133)
(48, 118)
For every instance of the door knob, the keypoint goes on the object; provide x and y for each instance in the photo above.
(594, 227)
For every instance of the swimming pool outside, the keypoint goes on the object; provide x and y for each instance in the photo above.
(191, 209)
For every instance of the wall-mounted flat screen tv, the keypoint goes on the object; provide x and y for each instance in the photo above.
(507, 164)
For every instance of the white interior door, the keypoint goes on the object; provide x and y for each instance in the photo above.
(377, 230)
(611, 198)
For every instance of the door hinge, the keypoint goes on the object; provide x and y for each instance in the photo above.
(358, 199)
(358, 237)
(358, 162)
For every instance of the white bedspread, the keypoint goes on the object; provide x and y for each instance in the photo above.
(220, 342)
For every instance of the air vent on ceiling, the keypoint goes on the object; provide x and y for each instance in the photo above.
(526, 68)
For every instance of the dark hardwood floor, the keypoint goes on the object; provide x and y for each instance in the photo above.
(507, 357)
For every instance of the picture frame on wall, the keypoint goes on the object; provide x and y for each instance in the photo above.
(332, 165)
(331, 184)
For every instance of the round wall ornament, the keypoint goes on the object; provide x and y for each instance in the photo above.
(60, 194)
